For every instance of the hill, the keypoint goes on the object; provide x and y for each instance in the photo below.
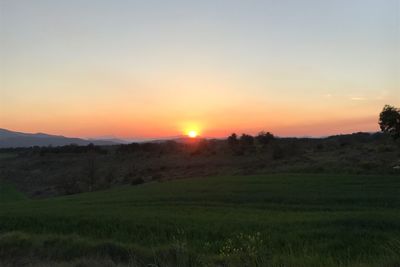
(10, 139)
(48, 171)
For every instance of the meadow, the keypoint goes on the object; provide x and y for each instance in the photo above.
(258, 220)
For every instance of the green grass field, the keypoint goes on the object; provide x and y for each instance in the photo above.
(9, 194)
(265, 220)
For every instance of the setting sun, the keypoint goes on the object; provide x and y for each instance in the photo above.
(192, 134)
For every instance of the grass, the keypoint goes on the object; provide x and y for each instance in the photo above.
(9, 194)
(264, 220)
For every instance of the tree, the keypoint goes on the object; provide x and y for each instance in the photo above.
(246, 140)
(264, 138)
(232, 140)
(389, 121)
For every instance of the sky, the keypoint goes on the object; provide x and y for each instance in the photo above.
(95, 68)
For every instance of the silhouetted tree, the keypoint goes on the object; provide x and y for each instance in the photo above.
(264, 138)
(389, 121)
(233, 140)
(246, 140)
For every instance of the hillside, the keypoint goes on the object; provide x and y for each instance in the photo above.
(9, 194)
(50, 171)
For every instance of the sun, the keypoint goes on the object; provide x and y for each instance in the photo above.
(192, 133)
(191, 129)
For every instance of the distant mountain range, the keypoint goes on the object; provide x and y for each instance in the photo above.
(17, 139)
(9, 139)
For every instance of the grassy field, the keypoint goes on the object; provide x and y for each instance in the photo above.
(9, 194)
(265, 220)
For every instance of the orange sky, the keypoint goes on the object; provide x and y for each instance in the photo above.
(171, 120)
(147, 69)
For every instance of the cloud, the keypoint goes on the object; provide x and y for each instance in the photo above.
(358, 98)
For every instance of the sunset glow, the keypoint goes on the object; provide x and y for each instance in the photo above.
(212, 68)
(208, 133)
(192, 134)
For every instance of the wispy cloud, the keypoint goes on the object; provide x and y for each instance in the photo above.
(358, 98)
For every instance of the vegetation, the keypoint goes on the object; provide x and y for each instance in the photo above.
(262, 220)
(9, 194)
(389, 121)
(49, 171)
(256, 204)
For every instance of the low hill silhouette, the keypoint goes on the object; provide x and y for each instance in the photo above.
(10, 139)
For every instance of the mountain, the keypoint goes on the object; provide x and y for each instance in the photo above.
(111, 140)
(17, 139)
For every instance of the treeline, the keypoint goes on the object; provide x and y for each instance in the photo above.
(389, 122)
(246, 142)
(199, 145)
(234, 144)
(191, 146)
(67, 149)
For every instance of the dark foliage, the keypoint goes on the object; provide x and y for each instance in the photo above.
(233, 140)
(264, 138)
(246, 140)
(389, 121)
(72, 169)
(73, 148)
